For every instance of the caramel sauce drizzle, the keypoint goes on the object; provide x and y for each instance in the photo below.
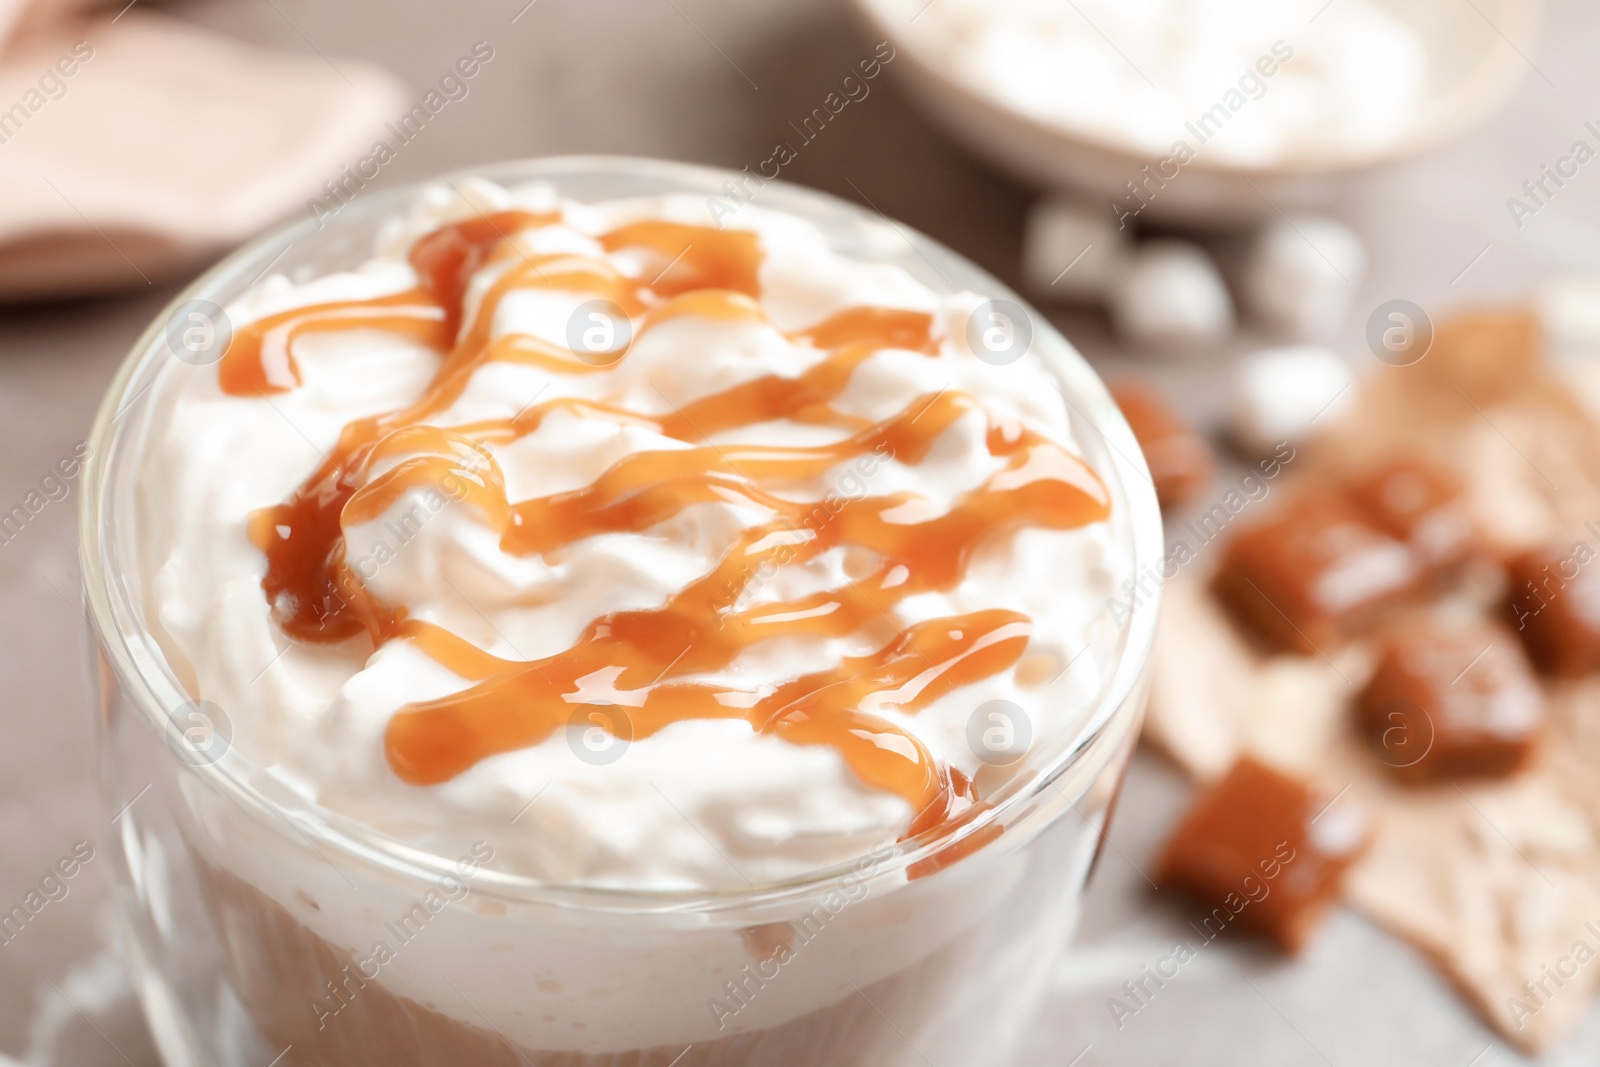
(643, 661)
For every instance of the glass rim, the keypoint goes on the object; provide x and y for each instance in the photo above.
(147, 680)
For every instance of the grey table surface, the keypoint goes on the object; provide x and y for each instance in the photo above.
(717, 81)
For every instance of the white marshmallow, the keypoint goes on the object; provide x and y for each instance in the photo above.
(1171, 294)
(1569, 319)
(1301, 275)
(1070, 250)
(1280, 392)
(1569, 316)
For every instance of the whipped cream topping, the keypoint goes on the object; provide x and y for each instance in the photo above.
(700, 802)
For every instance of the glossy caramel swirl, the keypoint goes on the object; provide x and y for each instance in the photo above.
(644, 661)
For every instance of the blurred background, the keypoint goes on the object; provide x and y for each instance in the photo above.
(185, 128)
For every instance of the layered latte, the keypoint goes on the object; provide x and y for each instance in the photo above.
(597, 546)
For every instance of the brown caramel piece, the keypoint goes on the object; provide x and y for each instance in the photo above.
(1446, 704)
(1313, 574)
(1555, 606)
(1265, 852)
(1180, 461)
(1421, 505)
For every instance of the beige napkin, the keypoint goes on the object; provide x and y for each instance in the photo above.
(131, 149)
(17, 17)
(1498, 882)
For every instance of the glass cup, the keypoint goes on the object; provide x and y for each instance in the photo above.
(262, 925)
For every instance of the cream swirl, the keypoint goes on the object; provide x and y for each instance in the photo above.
(434, 555)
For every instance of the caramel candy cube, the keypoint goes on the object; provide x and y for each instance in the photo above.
(1446, 704)
(1555, 606)
(1266, 852)
(1314, 574)
(1421, 505)
(1180, 460)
